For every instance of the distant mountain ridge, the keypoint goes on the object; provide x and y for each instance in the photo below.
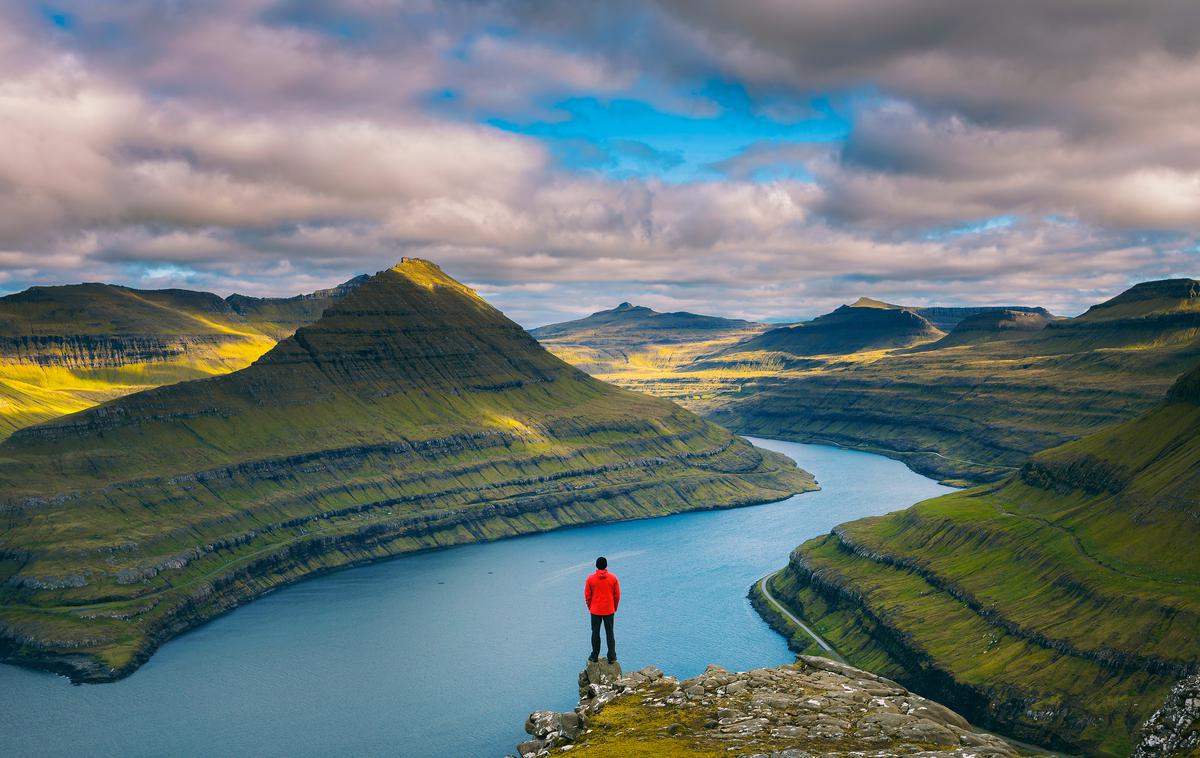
(66, 348)
(974, 405)
(411, 415)
(630, 339)
(848, 329)
(279, 317)
(628, 316)
(946, 317)
(995, 324)
(1149, 299)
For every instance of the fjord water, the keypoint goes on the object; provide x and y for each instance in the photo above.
(445, 653)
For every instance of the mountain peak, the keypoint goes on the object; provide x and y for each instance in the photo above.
(429, 275)
(625, 306)
(870, 302)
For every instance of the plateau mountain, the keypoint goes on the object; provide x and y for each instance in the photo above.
(849, 329)
(631, 339)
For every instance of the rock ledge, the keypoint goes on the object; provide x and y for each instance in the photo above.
(815, 707)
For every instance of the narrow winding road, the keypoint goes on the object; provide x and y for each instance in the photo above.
(762, 585)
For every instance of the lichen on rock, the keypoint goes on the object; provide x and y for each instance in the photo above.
(815, 707)
(1173, 731)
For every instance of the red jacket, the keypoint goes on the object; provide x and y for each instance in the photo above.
(602, 593)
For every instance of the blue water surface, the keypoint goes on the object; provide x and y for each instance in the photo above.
(445, 653)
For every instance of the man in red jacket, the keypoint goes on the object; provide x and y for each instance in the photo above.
(602, 593)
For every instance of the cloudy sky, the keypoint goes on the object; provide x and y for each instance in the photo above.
(758, 158)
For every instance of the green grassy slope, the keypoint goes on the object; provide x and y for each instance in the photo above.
(1059, 605)
(412, 415)
(64, 349)
(972, 408)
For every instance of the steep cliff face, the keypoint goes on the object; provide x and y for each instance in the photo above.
(64, 349)
(815, 707)
(412, 415)
(1060, 605)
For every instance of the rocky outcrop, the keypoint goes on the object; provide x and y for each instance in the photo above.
(815, 707)
(1173, 731)
(600, 682)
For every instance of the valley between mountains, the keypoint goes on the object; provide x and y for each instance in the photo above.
(173, 454)
(965, 395)
(1057, 601)
(410, 415)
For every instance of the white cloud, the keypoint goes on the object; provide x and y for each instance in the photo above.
(229, 149)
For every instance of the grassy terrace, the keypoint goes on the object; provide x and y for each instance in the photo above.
(1059, 605)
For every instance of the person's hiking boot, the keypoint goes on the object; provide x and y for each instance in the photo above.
(612, 659)
(593, 658)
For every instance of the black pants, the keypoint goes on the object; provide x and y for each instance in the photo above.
(608, 634)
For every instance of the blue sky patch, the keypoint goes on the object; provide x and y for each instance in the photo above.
(626, 137)
(59, 18)
(972, 227)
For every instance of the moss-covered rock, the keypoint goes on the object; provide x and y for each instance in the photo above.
(816, 707)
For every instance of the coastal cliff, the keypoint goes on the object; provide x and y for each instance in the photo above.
(1059, 606)
(411, 416)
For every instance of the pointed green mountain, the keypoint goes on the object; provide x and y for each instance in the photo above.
(412, 415)
(1059, 606)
